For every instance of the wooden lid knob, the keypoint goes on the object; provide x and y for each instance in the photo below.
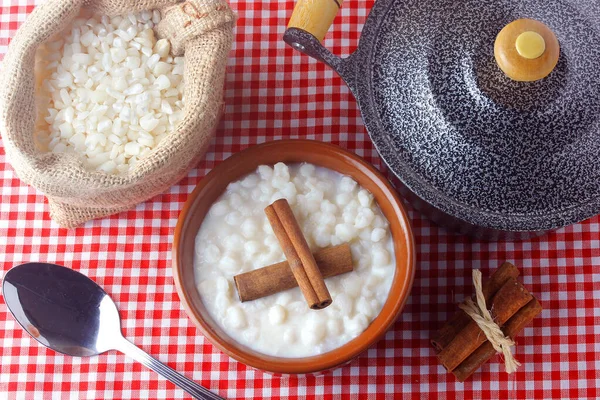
(526, 50)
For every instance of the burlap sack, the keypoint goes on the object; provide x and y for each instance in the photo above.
(199, 29)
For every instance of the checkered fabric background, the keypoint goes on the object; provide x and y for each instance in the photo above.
(274, 92)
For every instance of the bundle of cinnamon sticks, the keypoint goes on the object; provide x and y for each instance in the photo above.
(461, 345)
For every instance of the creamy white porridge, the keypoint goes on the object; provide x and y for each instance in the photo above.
(236, 237)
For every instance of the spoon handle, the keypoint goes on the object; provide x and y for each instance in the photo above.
(186, 384)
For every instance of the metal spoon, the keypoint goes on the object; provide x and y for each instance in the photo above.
(68, 312)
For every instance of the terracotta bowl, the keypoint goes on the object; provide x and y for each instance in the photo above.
(292, 151)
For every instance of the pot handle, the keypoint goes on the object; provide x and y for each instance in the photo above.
(307, 27)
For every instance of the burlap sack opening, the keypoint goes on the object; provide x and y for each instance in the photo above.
(201, 30)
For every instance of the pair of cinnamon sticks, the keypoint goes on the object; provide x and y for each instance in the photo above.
(461, 345)
(302, 268)
(278, 277)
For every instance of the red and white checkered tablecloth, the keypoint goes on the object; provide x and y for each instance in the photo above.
(274, 92)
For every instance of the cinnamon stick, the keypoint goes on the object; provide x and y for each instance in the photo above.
(298, 254)
(511, 297)
(278, 277)
(460, 319)
(486, 351)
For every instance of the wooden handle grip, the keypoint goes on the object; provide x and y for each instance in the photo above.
(314, 16)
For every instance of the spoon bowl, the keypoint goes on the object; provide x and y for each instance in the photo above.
(68, 312)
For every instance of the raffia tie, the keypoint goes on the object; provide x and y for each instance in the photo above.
(483, 318)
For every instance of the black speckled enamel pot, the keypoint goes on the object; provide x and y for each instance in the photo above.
(474, 150)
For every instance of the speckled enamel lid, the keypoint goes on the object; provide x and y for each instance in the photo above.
(516, 156)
